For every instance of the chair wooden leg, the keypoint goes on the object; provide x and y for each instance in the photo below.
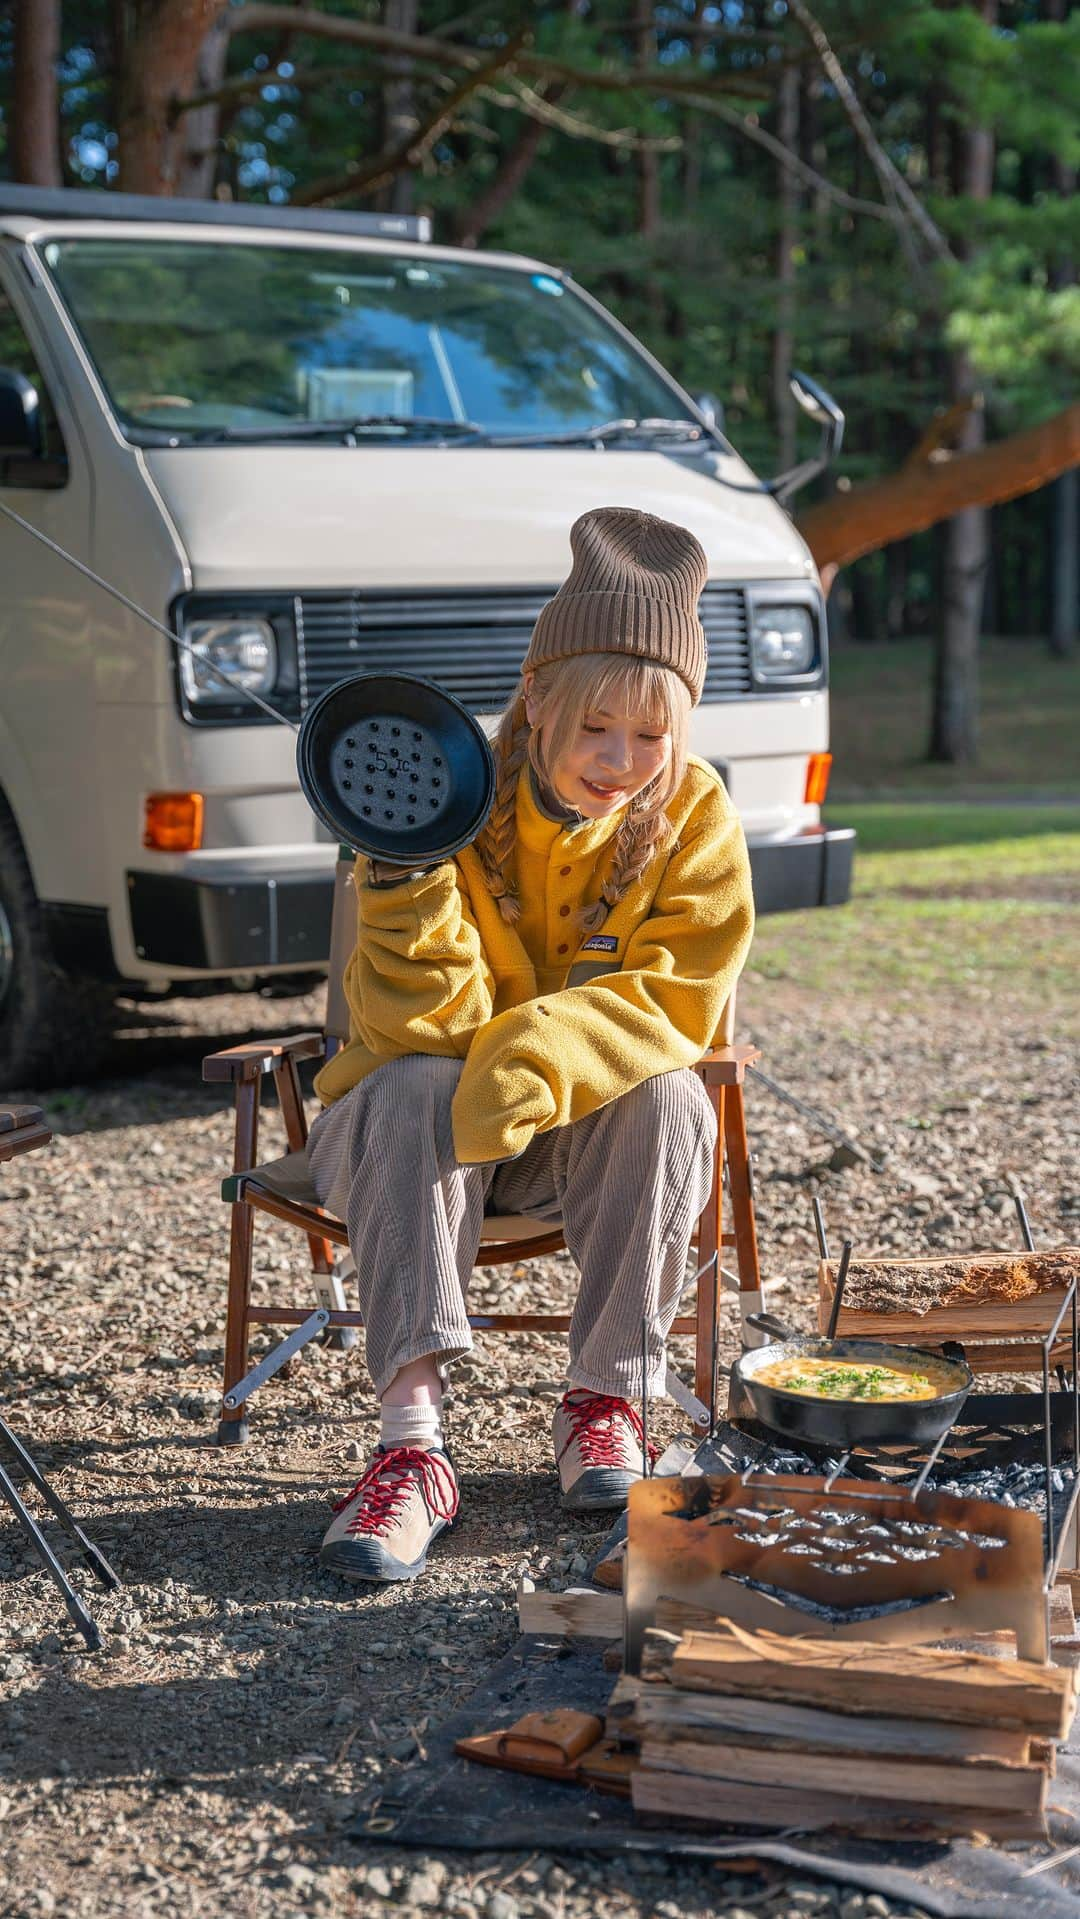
(709, 1241)
(292, 1112)
(341, 1338)
(742, 1199)
(233, 1426)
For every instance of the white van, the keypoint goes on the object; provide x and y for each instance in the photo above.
(314, 443)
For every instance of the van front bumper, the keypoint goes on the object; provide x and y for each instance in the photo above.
(234, 920)
(812, 868)
(237, 921)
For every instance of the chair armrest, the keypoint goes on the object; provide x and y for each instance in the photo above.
(23, 1139)
(261, 1056)
(726, 1065)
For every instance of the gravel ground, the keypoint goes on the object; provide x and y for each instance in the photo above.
(246, 1705)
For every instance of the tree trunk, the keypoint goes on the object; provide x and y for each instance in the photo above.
(649, 181)
(473, 222)
(783, 340)
(200, 130)
(1064, 573)
(896, 583)
(954, 726)
(693, 131)
(399, 115)
(35, 130)
(159, 44)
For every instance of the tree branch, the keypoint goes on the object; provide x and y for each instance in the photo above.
(807, 174)
(525, 100)
(893, 184)
(365, 177)
(258, 17)
(927, 489)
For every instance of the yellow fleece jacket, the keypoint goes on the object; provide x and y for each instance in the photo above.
(551, 1022)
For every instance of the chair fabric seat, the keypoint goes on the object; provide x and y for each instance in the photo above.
(289, 1179)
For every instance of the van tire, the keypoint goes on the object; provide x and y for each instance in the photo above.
(53, 1029)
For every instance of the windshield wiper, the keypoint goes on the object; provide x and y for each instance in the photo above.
(396, 426)
(610, 431)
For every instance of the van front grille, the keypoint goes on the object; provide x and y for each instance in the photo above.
(472, 643)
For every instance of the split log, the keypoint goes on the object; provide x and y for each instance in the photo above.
(1062, 1609)
(609, 1570)
(997, 1785)
(918, 1682)
(682, 1799)
(578, 1613)
(638, 1710)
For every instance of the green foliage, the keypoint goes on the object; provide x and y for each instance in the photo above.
(1021, 333)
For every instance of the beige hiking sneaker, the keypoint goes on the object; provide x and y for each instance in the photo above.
(599, 1450)
(403, 1500)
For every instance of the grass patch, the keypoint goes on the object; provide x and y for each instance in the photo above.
(979, 908)
(889, 826)
(880, 701)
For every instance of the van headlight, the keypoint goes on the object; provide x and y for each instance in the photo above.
(783, 642)
(245, 649)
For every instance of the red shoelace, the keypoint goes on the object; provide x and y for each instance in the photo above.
(388, 1481)
(593, 1426)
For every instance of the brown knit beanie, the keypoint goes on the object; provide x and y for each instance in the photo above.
(633, 588)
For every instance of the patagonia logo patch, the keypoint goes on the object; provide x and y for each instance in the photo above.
(601, 943)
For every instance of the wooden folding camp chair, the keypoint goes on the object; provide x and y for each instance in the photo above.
(282, 1188)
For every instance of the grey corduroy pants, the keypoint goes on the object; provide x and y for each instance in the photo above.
(628, 1183)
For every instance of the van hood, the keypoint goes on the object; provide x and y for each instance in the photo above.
(288, 517)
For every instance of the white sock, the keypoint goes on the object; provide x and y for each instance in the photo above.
(411, 1425)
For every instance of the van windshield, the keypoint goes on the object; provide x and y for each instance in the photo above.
(199, 340)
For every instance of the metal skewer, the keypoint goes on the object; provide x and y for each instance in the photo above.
(841, 1282)
(819, 1226)
(1025, 1225)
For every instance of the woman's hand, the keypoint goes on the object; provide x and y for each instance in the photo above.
(502, 1099)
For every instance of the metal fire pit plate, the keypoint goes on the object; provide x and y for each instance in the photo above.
(838, 1558)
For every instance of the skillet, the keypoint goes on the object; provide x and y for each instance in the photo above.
(848, 1423)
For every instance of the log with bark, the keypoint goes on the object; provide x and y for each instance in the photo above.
(976, 1295)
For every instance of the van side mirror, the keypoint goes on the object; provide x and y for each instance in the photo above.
(820, 407)
(712, 410)
(21, 430)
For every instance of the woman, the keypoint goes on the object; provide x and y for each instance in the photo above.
(525, 1020)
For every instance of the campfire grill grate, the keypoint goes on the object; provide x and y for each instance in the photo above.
(996, 1453)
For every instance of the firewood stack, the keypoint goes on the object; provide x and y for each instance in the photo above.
(753, 1729)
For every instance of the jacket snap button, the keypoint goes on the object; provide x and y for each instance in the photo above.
(564, 948)
(564, 872)
(564, 912)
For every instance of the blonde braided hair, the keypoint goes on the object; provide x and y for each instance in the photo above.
(495, 842)
(567, 689)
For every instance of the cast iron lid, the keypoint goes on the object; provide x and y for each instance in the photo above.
(396, 767)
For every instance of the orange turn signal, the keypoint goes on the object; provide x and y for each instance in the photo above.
(818, 768)
(173, 822)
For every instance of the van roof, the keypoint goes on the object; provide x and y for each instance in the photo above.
(73, 203)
